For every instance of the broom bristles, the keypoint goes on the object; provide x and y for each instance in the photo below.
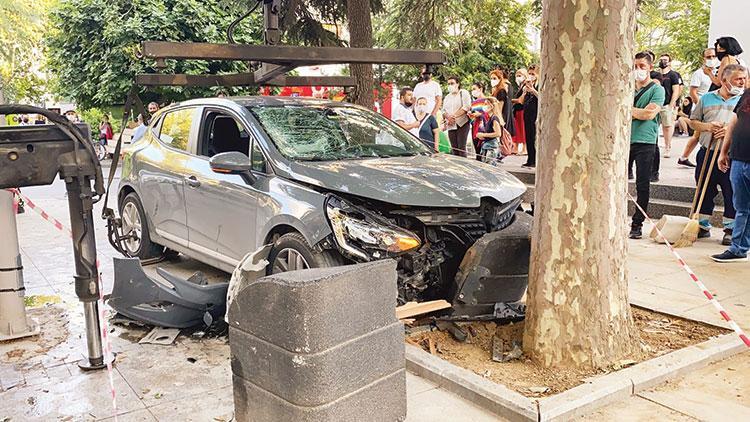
(689, 234)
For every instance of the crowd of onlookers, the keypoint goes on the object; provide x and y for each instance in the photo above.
(499, 119)
(716, 115)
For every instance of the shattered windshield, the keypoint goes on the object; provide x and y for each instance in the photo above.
(308, 133)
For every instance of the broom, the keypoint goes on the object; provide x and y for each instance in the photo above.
(692, 228)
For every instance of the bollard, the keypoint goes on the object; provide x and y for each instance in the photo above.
(13, 321)
(319, 345)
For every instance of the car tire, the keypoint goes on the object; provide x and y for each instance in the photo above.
(294, 245)
(133, 218)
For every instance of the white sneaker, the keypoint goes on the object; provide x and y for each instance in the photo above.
(666, 153)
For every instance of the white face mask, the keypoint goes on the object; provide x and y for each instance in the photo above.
(736, 90)
(494, 82)
(520, 80)
(475, 93)
(422, 109)
(532, 78)
(640, 75)
(712, 63)
(452, 89)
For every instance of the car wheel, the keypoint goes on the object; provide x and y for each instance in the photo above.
(134, 223)
(292, 252)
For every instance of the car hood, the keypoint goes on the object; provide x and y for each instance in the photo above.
(422, 181)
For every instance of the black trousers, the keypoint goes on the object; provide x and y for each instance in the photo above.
(716, 179)
(458, 139)
(654, 167)
(643, 157)
(530, 128)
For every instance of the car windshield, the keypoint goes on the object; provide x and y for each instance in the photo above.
(310, 133)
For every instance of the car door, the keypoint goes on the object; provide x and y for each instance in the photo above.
(221, 208)
(162, 178)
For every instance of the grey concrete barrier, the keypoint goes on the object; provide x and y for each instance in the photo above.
(319, 345)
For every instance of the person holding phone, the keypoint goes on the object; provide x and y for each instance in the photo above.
(530, 101)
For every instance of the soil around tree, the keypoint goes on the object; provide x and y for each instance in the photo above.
(659, 334)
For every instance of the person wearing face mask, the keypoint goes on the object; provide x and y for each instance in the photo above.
(477, 115)
(519, 138)
(428, 130)
(714, 110)
(430, 90)
(502, 90)
(700, 84)
(644, 133)
(672, 83)
(530, 101)
(456, 107)
(727, 51)
(403, 113)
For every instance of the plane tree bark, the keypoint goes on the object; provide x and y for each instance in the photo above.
(578, 312)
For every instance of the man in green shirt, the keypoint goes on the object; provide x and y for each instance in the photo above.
(644, 133)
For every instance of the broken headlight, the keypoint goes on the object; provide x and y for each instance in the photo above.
(357, 231)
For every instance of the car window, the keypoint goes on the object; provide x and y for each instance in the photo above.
(223, 133)
(175, 128)
(258, 160)
(334, 133)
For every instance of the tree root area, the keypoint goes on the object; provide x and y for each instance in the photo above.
(659, 334)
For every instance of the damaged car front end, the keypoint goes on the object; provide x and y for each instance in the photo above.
(471, 257)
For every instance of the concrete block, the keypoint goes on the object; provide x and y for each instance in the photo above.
(682, 362)
(586, 397)
(470, 386)
(313, 310)
(380, 401)
(306, 379)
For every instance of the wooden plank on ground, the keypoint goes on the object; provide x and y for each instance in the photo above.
(412, 309)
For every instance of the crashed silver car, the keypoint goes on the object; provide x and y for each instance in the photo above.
(327, 184)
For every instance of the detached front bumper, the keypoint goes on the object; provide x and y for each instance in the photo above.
(494, 270)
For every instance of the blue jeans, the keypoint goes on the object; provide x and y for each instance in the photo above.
(740, 177)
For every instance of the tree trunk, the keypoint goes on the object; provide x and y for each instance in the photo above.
(360, 35)
(578, 312)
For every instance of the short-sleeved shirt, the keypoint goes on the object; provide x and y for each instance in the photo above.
(670, 79)
(428, 90)
(647, 131)
(505, 95)
(426, 127)
(712, 107)
(740, 148)
(701, 81)
(404, 114)
(454, 102)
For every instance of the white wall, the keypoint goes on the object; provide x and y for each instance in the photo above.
(729, 19)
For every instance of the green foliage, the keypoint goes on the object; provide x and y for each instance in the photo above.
(676, 27)
(477, 36)
(21, 28)
(93, 45)
(93, 116)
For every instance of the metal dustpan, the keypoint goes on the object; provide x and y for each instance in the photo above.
(174, 302)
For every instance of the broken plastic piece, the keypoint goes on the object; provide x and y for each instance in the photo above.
(178, 303)
(162, 336)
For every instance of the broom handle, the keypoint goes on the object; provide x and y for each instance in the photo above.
(700, 182)
(708, 177)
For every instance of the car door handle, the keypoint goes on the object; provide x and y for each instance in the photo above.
(192, 181)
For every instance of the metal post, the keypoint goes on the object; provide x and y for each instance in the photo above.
(84, 254)
(13, 321)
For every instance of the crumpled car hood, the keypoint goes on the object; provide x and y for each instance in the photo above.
(421, 181)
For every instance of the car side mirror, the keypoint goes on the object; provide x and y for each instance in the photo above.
(232, 162)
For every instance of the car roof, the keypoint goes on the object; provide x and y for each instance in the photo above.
(268, 101)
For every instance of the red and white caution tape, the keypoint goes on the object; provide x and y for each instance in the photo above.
(107, 344)
(694, 277)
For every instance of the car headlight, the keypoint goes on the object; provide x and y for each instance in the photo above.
(353, 233)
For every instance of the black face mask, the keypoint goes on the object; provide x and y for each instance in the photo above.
(426, 77)
(721, 54)
(408, 104)
(663, 64)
